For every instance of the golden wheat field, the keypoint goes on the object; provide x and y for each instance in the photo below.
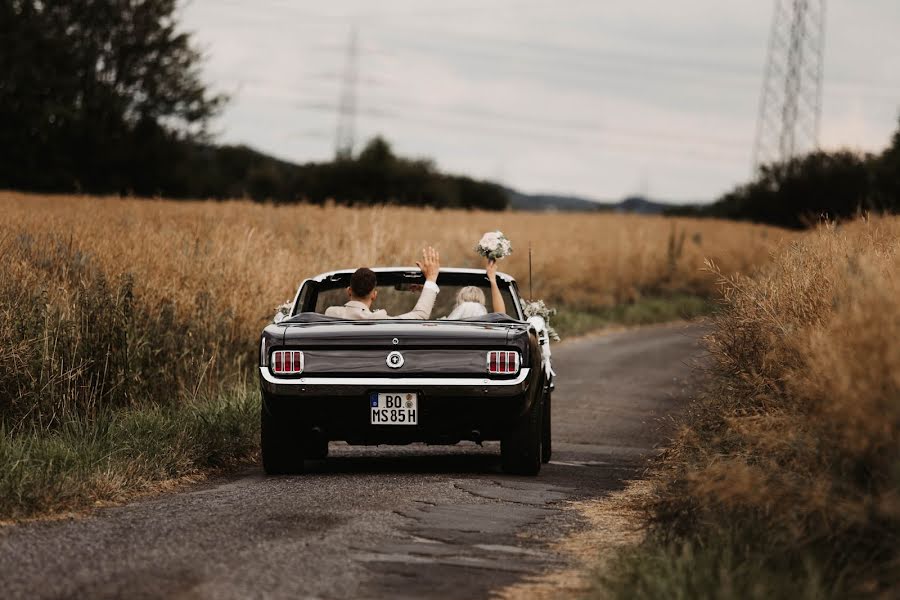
(250, 257)
(109, 302)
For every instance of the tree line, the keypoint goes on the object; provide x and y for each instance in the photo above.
(375, 175)
(105, 96)
(820, 185)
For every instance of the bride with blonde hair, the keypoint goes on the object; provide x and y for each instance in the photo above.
(470, 301)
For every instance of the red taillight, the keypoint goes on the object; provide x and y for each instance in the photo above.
(502, 362)
(287, 362)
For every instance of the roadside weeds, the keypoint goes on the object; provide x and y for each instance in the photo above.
(124, 454)
(783, 480)
(612, 522)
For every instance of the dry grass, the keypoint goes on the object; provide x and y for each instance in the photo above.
(791, 462)
(611, 522)
(111, 304)
(249, 257)
(113, 301)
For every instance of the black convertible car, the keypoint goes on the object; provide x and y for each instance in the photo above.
(401, 381)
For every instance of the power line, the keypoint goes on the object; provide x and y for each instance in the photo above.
(696, 67)
(479, 115)
(499, 129)
(587, 60)
(636, 77)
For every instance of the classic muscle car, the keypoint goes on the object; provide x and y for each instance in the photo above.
(402, 381)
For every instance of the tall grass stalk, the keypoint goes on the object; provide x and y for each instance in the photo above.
(790, 462)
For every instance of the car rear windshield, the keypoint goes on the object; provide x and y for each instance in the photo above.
(398, 294)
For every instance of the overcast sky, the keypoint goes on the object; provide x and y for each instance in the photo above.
(590, 97)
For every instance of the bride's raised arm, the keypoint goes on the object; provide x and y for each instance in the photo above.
(497, 303)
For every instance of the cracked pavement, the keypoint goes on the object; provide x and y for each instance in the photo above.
(384, 522)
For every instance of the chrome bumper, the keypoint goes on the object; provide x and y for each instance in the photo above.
(319, 387)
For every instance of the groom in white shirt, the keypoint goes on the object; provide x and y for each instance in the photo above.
(362, 293)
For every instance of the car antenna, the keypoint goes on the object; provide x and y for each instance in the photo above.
(530, 291)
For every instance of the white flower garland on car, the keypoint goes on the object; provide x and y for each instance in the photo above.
(284, 310)
(537, 308)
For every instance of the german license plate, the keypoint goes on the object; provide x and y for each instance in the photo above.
(400, 408)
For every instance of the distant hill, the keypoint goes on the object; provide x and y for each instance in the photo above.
(641, 205)
(551, 202)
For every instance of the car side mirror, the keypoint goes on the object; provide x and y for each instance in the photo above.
(278, 318)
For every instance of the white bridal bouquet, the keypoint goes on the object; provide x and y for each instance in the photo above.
(494, 245)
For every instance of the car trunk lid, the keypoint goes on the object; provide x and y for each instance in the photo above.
(426, 349)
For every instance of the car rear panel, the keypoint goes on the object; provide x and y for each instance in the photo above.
(423, 362)
(428, 349)
(444, 364)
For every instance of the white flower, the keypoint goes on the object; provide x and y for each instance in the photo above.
(490, 239)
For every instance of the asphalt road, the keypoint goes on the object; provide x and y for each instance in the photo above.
(416, 521)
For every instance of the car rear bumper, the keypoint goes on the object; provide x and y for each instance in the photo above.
(449, 409)
(435, 387)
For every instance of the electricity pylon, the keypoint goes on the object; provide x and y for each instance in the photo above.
(346, 121)
(790, 106)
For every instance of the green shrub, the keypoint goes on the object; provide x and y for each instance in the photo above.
(117, 454)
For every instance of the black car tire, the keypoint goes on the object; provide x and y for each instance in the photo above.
(546, 431)
(520, 448)
(281, 438)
